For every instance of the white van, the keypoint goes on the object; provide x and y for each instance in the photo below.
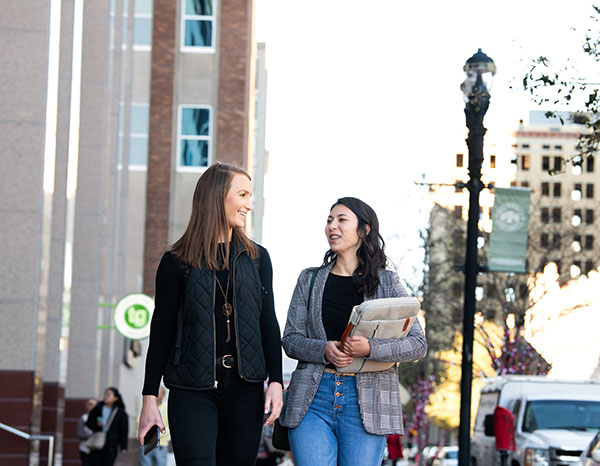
(554, 419)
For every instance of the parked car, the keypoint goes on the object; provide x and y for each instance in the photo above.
(554, 419)
(448, 456)
(591, 454)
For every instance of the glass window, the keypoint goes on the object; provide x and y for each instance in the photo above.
(589, 266)
(556, 214)
(589, 242)
(492, 161)
(525, 162)
(457, 211)
(545, 215)
(194, 137)
(589, 216)
(143, 6)
(589, 164)
(546, 146)
(545, 189)
(557, 163)
(198, 24)
(545, 162)
(139, 119)
(459, 160)
(562, 414)
(558, 147)
(544, 240)
(142, 31)
(556, 189)
(589, 191)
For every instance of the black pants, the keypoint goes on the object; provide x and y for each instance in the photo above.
(220, 427)
(104, 457)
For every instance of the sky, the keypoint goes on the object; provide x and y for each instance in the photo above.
(363, 100)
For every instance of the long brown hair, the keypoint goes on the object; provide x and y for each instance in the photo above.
(199, 245)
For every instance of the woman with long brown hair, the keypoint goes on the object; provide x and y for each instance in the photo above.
(214, 335)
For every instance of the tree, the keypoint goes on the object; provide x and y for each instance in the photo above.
(562, 85)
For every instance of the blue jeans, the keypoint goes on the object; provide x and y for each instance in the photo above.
(157, 457)
(332, 431)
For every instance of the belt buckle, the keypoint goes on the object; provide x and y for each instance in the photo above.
(223, 361)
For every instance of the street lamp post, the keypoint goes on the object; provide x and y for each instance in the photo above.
(479, 69)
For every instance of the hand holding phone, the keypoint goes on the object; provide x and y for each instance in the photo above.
(151, 439)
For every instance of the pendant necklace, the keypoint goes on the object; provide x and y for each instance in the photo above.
(227, 308)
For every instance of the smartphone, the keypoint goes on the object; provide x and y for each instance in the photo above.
(151, 439)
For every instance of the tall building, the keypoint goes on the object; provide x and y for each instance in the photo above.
(565, 195)
(142, 97)
(540, 155)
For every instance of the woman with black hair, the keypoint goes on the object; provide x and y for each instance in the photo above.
(109, 416)
(338, 418)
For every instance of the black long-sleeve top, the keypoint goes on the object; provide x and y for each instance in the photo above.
(339, 297)
(163, 328)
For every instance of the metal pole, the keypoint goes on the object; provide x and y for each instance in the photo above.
(474, 112)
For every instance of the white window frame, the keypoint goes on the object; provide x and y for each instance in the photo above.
(184, 17)
(209, 138)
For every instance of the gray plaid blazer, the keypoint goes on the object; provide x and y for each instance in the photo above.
(304, 339)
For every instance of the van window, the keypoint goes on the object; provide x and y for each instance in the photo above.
(487, 404)
(562, 414)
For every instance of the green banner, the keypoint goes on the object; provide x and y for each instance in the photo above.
(510, 221)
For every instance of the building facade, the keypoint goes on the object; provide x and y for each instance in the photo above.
(142, 97)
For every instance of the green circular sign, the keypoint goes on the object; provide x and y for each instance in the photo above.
(132, 316)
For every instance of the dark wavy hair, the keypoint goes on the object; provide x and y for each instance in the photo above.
(119, 403)
(371, 255)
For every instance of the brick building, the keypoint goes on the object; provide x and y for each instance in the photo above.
(142, 97)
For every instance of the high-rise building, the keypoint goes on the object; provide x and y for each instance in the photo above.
(111, 112)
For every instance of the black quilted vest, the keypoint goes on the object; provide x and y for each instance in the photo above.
(191, 363)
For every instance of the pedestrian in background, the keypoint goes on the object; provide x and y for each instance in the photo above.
(109, 416)
(158, 456)
(394, 446)
(327, 424)
(84, 432)
(214, 334)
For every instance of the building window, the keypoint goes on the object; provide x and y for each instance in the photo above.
(525, 162)
(195, 135)
(525, 146)
(576, 193)
(575, 269)
(138, 135)
(545, 215)
(589, 266)
(545, 163)
(589, 242)
(556, 214)
(556, 189)
(513, 184)
(556, 241)
(492, 161)
(525, 184)
(458, 186)
(545, 189)
(589, 216)
(558, 147)
(589, 164)
(589, 191)
(576, 245)
(457, 211)
(198, 25)
(544, 240)
(460, 160)
(558, 163)
(546, 146)
(577, 216)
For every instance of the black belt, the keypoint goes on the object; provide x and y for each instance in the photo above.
(227, 361)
